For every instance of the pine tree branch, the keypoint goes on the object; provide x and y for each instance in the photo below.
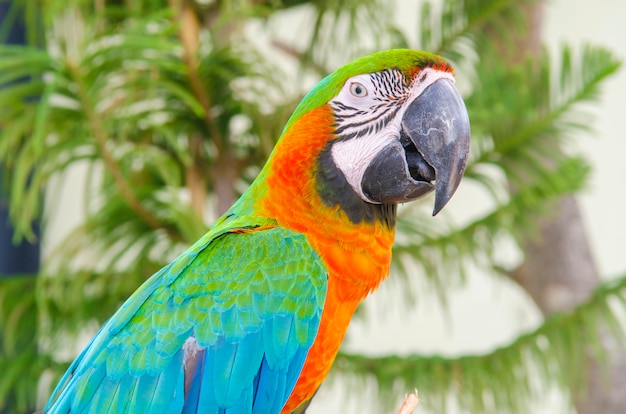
(506, 378)
(595, 65)
(486, 12)
(442, 251)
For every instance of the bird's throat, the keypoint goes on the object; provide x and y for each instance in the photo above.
(334, 190)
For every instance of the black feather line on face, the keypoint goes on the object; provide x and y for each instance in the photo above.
(389, 93)
(335, 190)
(376, 123)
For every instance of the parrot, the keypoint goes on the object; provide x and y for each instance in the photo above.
(249, 319)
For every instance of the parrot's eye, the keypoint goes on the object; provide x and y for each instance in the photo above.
(357, 89)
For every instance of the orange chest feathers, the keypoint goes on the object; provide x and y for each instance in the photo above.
(357, 255)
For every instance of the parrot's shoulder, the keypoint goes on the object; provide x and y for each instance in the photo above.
(240, 260)
(225, 225)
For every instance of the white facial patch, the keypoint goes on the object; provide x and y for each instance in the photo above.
(357, 115)
(353, 156)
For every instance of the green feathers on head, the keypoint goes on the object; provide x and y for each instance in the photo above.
(407, 61)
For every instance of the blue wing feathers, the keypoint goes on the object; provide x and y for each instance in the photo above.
(251, 304)
(96, 376)
(207, 397)
(169, 385)
(193, 383)
(237, 373)
(271, 391)
(106, 399)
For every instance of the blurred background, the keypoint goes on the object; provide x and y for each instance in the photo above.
(128, 127)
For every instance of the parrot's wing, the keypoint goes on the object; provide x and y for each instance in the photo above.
(228, 324)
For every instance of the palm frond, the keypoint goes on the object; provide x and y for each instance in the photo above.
(352, 21)
(21, 363)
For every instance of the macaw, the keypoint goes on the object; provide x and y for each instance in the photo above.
(250, 318)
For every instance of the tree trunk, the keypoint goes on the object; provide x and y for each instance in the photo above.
(559, 271)
(225, 175)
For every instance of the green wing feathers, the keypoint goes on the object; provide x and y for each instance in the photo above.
(250, 299)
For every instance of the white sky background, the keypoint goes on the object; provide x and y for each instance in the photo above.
(485, 314)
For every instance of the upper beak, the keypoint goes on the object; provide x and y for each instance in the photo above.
(433, 146)
(438, 126)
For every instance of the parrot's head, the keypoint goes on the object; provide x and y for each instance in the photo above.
(395, 128)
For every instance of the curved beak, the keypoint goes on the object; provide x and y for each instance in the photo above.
(438, 125)
(433, 146)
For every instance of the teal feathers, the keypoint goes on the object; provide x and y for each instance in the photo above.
(238, 311)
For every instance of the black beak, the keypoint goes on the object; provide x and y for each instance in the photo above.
(438, 125)
(433, 146)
